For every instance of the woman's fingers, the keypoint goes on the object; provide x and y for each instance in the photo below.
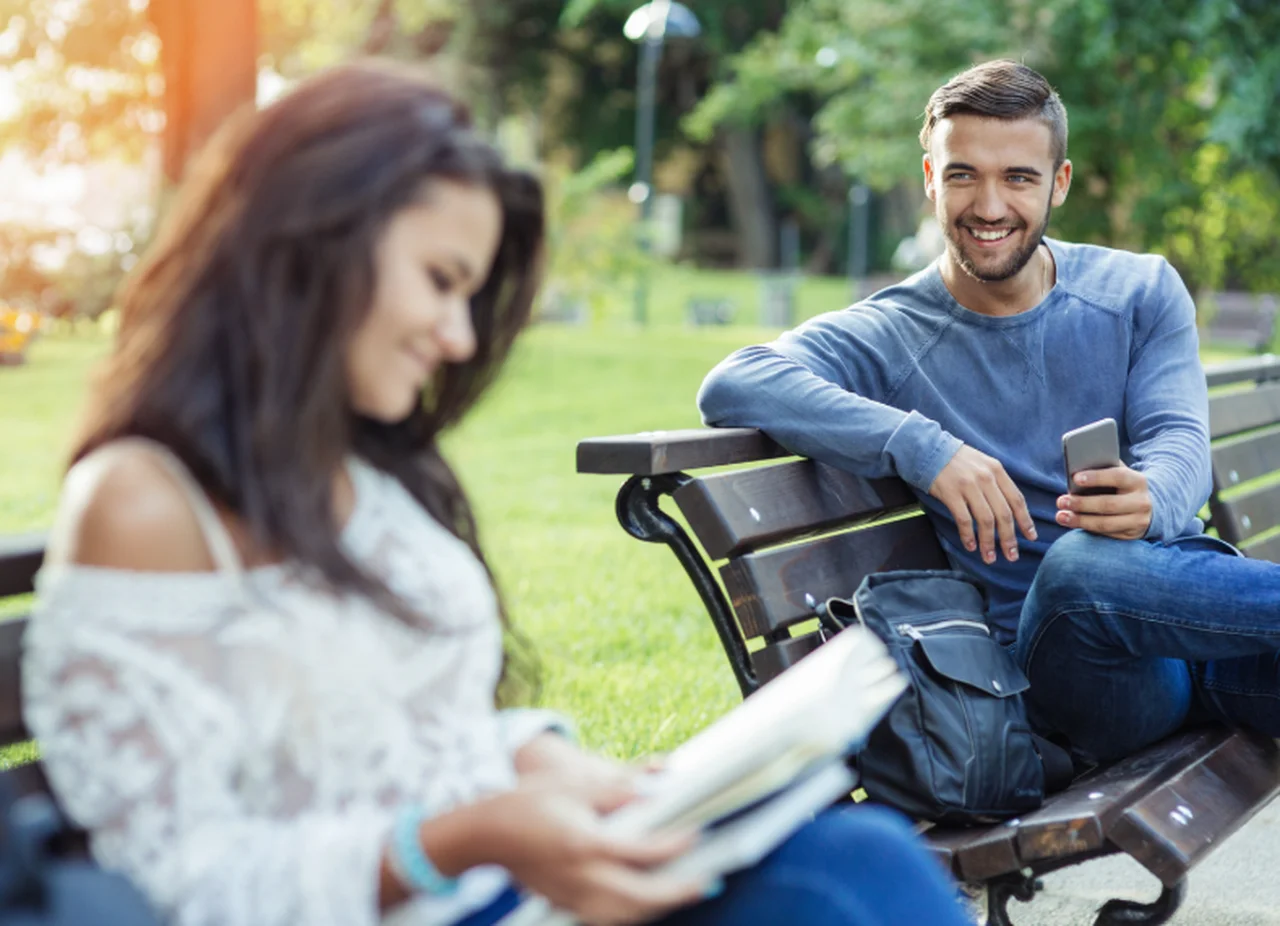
(623, 895)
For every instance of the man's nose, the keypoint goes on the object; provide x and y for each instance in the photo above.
(989, 205)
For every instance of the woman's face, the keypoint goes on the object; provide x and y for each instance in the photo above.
(431, 259)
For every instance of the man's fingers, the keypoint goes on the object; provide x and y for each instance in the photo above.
(1126, 527)
(964, 522)
(1018, 503)
(1112, 477)
(985, 520)
(1006, 529)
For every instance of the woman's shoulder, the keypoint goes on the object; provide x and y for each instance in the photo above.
(123, 508)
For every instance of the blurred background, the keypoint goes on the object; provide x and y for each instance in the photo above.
(726, 160)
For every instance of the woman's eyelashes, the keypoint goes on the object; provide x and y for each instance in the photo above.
(442, 282)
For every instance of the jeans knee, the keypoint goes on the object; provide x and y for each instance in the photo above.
(1072, 566)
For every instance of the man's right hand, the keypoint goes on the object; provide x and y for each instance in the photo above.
(978, 492)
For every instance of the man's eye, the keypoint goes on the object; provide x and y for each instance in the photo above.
(959, 176)
(439, 281)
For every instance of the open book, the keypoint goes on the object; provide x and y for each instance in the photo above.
(760, 772)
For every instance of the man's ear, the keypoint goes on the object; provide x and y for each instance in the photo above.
(928, 178)
(1061, 184)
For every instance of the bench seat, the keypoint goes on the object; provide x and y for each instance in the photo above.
(780, 534)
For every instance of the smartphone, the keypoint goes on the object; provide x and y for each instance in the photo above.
(1094, 446)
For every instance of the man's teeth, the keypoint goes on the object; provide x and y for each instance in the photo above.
(991, 235)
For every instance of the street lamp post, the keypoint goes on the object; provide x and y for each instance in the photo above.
(649, 25)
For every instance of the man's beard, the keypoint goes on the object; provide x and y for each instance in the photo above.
(955, 244)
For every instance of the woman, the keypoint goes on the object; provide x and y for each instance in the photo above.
(263, 666)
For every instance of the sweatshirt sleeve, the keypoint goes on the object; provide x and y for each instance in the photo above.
(819, 391)
(1167, 406)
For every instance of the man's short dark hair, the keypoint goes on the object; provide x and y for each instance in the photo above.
(999, 90)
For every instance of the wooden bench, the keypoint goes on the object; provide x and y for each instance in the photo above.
(774, 538)
(1240, 319)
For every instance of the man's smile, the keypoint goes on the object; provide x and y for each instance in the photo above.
(988, 236)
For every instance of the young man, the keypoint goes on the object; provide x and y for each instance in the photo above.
(961, 380)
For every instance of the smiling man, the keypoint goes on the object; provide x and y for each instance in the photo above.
(961, 380)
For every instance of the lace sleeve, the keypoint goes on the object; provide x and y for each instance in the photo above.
(144, 750)
(518, 725)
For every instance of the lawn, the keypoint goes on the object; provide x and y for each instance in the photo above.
(625, 645)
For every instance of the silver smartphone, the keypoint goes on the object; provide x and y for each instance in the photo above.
(1094, 446)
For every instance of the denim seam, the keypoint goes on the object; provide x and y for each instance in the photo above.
(1149, 617)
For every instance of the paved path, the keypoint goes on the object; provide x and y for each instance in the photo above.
(1238, 885)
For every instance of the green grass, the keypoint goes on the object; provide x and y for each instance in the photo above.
(625, 644)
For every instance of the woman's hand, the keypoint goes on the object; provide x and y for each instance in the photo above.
(549, 835)
(552, 755)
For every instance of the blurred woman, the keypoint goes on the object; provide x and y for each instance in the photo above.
(263, 666)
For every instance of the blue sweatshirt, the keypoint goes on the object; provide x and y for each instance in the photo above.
(895, 384)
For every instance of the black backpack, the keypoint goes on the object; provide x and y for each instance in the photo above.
(43, 884)
(957, 747)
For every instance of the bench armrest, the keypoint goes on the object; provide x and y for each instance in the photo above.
(652, 453)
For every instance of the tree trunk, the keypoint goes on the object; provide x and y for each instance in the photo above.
(209, 54)
(750, 205)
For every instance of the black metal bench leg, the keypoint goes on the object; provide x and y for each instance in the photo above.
(1021, 886)
(642, 517)
(1117, 912)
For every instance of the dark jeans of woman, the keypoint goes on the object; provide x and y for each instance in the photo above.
(852, 866)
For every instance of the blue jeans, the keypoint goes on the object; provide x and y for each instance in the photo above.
(852, 866)
(1126, 641)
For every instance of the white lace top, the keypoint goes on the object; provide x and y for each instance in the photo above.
(238, 743)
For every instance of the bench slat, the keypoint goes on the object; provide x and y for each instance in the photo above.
(975, 854)
(651, 453)
(1182, 819)
(1238, 460)
(1268, 549)
(1234, 412)
(771, 661)
(768, 589)
(1237, 371)
(20, 558)
(12, 728)
(1248, 515)
(1079, 818)
(746, 509)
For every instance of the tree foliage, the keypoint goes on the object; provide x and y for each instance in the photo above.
(1170, 103)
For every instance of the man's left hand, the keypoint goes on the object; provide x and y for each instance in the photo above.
(1126, 515)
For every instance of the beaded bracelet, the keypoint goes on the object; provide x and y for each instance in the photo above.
(408, 860)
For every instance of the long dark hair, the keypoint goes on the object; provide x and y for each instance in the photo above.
(233, 327)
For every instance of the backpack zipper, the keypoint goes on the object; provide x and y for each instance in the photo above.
(917, 633)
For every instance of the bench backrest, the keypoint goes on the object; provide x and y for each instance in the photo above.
(1240, 318)
(782, 537)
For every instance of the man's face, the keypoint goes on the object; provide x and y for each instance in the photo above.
(993, 185)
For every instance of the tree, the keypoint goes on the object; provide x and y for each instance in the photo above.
(575, 68)
(210, 65)
(1150, 86)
